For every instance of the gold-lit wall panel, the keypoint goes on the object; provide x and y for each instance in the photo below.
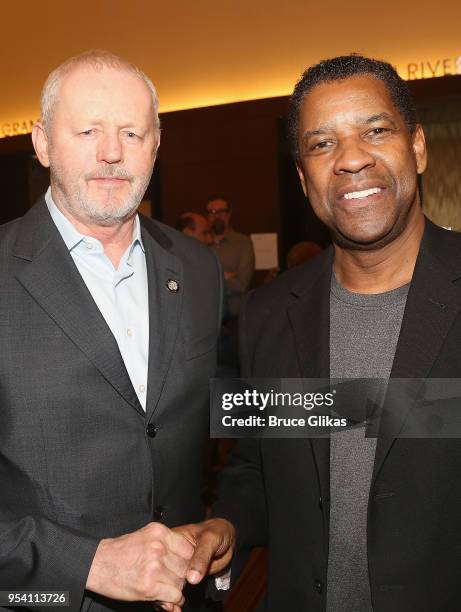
(205, 52)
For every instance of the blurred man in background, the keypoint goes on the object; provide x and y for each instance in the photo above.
(195, 225)
(235, 251)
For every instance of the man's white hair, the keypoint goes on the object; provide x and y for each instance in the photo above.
(95, 58)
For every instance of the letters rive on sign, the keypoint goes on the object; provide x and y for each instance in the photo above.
(433, 68)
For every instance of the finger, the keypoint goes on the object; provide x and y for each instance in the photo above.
(221, 562)
(158, 606)
(207, 545)
(167, 593)
(161, 577)
(176, 564)
(169, 607)
(191, 532)
(179, 544)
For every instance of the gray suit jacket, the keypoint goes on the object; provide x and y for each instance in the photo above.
(79, 458)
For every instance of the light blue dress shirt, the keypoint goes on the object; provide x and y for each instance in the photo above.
(120, 294)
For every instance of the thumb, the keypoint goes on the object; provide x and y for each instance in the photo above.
(206, 547)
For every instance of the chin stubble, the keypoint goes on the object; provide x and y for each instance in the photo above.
(77, 202)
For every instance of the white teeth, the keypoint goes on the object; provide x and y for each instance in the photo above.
(353, 195)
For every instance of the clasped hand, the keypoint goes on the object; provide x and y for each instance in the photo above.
(153, 563)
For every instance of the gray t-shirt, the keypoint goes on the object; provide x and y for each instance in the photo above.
(364, 329)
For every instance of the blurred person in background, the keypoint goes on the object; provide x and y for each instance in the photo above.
(195, 225)
(235, 252)
(302, 252)
(298, 254)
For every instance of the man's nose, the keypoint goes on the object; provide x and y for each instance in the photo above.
(353, 156)
(110, 149)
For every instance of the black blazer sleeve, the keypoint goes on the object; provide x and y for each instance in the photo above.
(241, 498)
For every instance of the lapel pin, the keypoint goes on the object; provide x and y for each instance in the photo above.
(172, 285)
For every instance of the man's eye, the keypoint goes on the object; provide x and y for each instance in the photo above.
(323, 144)
(378, 130)
(87, 132)
(131, 135)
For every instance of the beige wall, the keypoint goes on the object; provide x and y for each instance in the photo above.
(204, 52)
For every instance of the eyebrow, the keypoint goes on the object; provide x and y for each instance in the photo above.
(329, 127)
(324, 129)
(380, 117)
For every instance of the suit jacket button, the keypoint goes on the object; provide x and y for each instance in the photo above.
(158, 513)
(318, 586)
(151, 430)
(320, 502)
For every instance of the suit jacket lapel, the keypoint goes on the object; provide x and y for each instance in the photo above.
(54, 281)
(433, 303)
(309, 316)
(165, 302)
(310, 321)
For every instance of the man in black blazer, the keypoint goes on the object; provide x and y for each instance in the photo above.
(108, 328)
(355, 524)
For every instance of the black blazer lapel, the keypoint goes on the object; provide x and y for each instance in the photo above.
(433, 303)
(54, 281)
(309, 317)
(166, 291)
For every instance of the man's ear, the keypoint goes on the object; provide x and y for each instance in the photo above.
(157, 145)
(40, 142)
(419, 149)
(301, 178)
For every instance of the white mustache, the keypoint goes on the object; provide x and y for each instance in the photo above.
(110, 172)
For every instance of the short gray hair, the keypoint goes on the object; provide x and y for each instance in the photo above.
(98, 59)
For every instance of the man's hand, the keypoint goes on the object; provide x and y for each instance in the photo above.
(214, 543)
(229, 275)
(147, 565)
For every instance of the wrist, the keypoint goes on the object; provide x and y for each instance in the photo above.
(93, 582)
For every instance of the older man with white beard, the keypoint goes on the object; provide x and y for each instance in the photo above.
(107, 341)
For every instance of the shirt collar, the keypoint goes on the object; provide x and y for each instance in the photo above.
(72, 237)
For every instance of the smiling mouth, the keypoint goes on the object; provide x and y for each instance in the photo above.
(356, 195)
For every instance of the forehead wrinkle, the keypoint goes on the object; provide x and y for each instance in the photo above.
(99, 90)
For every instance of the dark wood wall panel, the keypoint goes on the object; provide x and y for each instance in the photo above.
(15, 187)
(230, 150)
